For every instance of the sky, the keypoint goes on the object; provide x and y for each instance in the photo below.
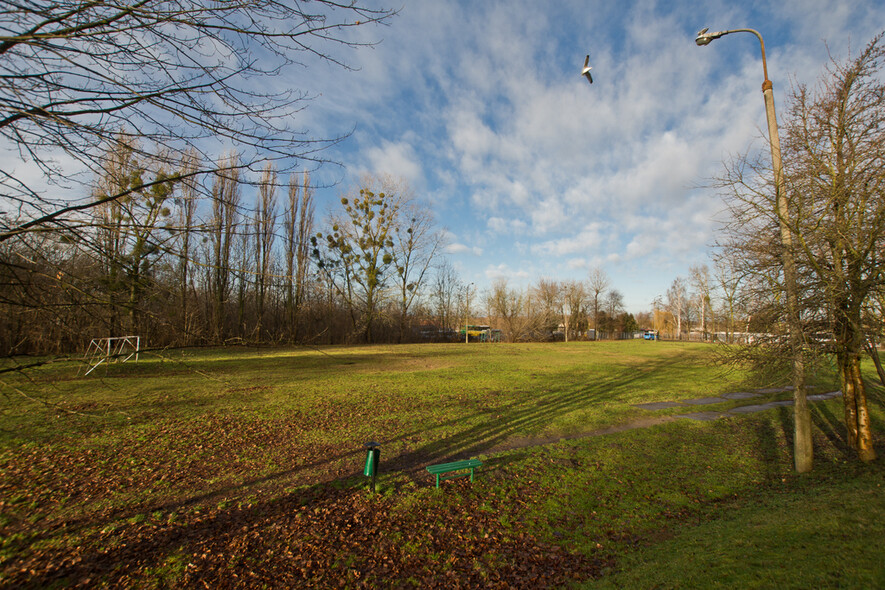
(533, 172)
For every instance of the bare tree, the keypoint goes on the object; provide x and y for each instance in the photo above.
(445, 288)
(241, 273)
(223, 227)
(834, 150)
(729, 281)
(699, 275)
(81, 78)
(614, 306)
(835, 176)
(298, 225)
(265, 234)
(599, 284)
(676, 301)
(416, 246)
(574, 307)
(187, 212)
(549, 297)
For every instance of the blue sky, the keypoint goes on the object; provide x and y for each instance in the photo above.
(535, 173)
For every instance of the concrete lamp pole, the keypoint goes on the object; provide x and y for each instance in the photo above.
(802, 447)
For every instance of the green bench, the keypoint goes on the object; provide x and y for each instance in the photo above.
(439, 470)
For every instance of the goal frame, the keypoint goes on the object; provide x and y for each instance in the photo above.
(111, 349)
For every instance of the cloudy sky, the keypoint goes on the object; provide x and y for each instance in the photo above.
(534, 172)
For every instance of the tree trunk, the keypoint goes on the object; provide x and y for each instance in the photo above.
(851, 339)
(857, 416)
(703, 318)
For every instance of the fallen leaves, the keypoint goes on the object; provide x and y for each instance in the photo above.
(190, 503)
(320, 537)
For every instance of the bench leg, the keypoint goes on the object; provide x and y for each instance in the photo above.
(471, 475)
(437, 481)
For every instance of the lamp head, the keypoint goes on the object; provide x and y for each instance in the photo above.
(704, 38)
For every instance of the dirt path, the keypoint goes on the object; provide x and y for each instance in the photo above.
(646, 422)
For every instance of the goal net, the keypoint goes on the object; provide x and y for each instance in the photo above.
(111, 350)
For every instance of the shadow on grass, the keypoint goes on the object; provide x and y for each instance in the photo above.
(474, 434)
(828, 429)
(497, 426)
(151, 546)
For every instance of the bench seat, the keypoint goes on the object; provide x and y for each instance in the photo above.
(442, 468)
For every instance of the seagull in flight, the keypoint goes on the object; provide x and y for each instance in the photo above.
(586, 70)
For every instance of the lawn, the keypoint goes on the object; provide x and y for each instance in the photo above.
(243, 468)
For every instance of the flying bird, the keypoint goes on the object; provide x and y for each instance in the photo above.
(586, 70)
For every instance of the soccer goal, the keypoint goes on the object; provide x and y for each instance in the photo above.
(111, 350)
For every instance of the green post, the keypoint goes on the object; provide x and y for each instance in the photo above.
(373, 456)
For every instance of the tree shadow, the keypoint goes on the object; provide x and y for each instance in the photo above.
(484, 431)
(489, 429)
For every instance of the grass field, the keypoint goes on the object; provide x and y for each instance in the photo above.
(243, 468)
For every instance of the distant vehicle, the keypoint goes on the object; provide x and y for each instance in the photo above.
(649, 334)
(481, 333)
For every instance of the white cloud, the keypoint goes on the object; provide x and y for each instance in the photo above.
(463, 249)
(588, 240)
(503, 271)
(396, 158)
(510, 226)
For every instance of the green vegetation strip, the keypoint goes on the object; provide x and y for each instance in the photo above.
(242, 468)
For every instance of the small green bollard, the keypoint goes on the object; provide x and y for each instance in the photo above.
(373, 456)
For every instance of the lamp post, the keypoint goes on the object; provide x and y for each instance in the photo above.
(803, 452)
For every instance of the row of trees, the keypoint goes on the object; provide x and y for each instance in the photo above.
(182, 264)
(548, 309)
(710, 305)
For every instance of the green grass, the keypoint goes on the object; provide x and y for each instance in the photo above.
(822, 533)
(553, 387)
(185, 454)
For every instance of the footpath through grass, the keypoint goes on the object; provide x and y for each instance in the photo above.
(239, 468)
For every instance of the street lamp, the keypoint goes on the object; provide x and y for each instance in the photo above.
(802, 439)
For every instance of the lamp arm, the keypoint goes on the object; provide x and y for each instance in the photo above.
(761, 44)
